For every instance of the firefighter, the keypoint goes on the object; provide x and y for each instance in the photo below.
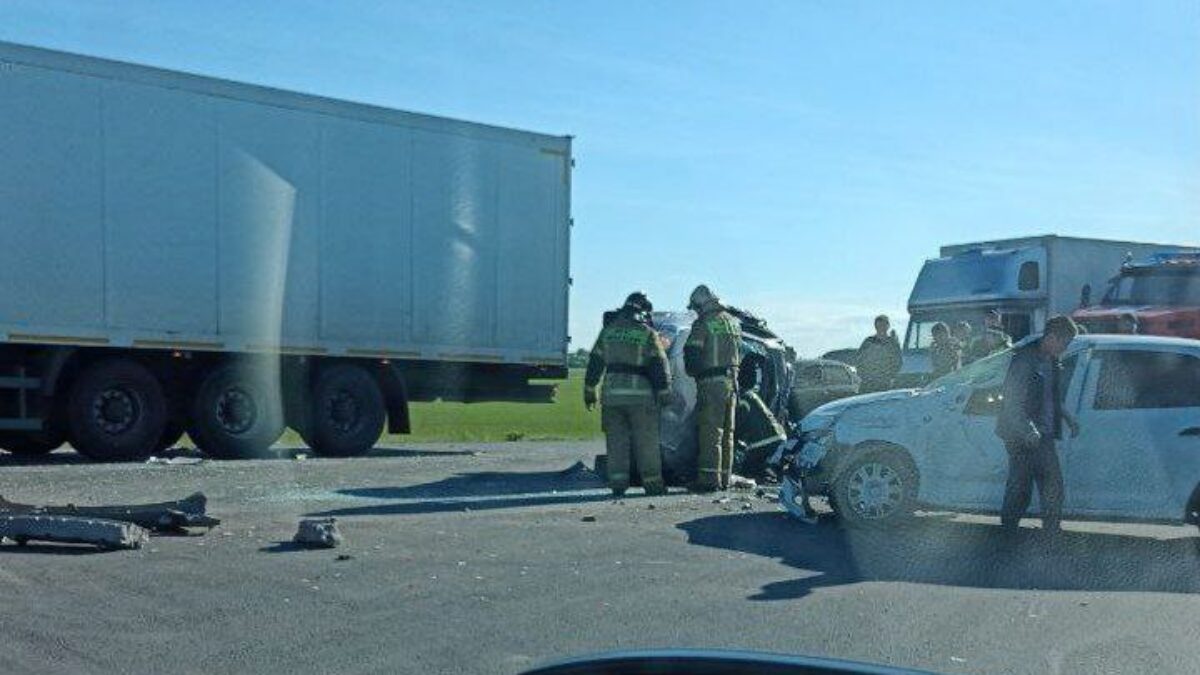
(711, 355)
(757, 432)
(993, 339)
(637, 383)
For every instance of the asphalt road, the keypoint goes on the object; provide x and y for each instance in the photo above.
(489, 559)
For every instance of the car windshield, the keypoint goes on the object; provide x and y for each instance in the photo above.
(1171, 289)
(987, 371)
(472, 336)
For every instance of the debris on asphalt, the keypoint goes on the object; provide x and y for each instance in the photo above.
(737, 482)
(318, 533)
(343, 557)
(588, 519)
(650, 507)
(721, 500)
(746, 506)
(105, 534)
(174, 461)
(160, 517)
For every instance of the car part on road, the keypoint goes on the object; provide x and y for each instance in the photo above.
(117, 411)
(877, 489)
(318, 533)
(237, 412)
(106, 534)
(347, 412)
(162, 517)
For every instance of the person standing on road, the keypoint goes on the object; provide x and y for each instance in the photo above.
(993, 339)
(879, 358)
(945, 354)
(1030, 422)
(711, 355)
(637, 382)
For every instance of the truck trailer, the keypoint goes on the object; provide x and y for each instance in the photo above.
(183, 253)
(1027, 279)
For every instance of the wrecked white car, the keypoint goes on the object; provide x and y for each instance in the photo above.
(880, 457)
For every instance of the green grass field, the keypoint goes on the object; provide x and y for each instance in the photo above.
(565, 419)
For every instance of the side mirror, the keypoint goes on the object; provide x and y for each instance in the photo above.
(1085, 295)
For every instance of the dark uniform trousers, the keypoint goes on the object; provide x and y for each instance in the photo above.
(1026, 466)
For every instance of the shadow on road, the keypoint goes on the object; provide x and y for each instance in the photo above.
(61, 457)
(66, 456)
(54, 549)
(480, 491)
(936, 551)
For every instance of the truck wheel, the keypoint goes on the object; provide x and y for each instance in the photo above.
(878, 489)
(116, 411)
(31, 444)
(236, 414)
(347, 414)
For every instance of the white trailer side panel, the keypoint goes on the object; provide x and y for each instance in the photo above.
(138, 205)
(51, 200)
(158, 214)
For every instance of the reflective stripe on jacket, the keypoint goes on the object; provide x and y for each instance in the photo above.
(632, 361)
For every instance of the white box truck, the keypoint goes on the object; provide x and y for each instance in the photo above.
(1027, 279)
(185, 253)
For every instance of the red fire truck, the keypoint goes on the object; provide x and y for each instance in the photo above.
(1160, 296)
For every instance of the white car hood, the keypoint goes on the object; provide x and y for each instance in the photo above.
(821, 415)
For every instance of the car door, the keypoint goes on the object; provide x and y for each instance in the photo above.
(1138, 451)
(967, 462)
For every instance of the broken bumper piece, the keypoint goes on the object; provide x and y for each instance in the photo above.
(795, 500)
(105, 534)
(160, 517)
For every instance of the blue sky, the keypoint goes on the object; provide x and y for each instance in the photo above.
(803, 158)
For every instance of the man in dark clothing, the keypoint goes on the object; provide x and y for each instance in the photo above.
(879, 358)
(1030, 421)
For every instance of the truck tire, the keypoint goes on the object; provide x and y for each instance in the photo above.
(348, 412)
(236, 413)
(31, 443)
(116, 411)
(875, 490)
